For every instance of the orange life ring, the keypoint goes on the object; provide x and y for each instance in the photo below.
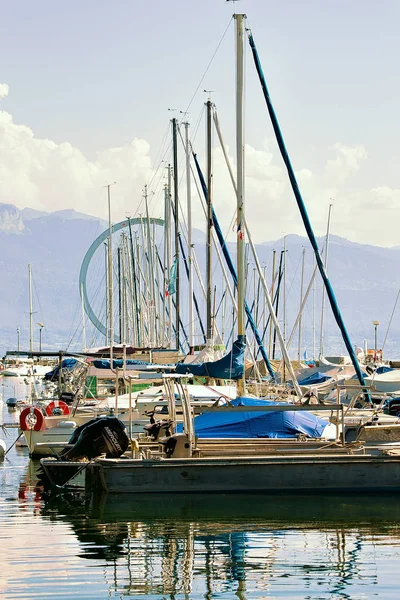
(57, 404)
(31, 418)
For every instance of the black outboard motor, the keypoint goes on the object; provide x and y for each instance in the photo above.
(106, 435)
(67, 397)
(392, 407)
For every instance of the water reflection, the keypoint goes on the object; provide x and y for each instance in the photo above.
(221, 546)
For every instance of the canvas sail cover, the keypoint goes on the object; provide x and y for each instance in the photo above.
(230, 366)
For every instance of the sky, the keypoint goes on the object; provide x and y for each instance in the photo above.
(87, 91)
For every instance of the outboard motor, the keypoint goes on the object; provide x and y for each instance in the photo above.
(392, 407)
(67, 397)
(106, 435)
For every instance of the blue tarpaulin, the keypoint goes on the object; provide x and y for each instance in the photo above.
(383, 369)
(257, 424)
(230, 366)
(104, 363)
(68, 364)
(315, 378)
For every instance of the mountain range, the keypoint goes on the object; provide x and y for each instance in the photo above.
(365, 279)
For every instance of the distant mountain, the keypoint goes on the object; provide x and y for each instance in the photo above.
(70, 214)
(11, 220)
(365, 278)
(30, 213)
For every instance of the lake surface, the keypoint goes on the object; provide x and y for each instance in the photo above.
(178, 547)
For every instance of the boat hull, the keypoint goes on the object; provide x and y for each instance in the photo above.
(259, 474)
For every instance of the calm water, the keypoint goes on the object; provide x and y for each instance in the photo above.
(158, 547)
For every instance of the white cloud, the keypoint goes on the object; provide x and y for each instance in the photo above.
(348, 159)
(3, 90)
(47, 176)
(41, 174)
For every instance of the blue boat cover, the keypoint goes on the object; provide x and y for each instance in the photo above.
(383, 369)
(257, 424)
(315, 378)
(104, 363)
(68, 364)
(230, 366)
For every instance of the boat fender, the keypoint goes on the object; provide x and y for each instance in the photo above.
(67, 424)
(135, 447)
(31, 418)
(57, 407)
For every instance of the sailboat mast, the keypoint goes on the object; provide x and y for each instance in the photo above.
(271, 326)
(190, 247)
(110, 276)
(321, 340)
(169, 257)
(301, 302)
(83, 320)
(209, 222)
(30, 308)
(240, 182)
(176, 210)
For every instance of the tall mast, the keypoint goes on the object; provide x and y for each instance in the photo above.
(271, 326)
(110, 277)
(152, 275)
(136, 297)
(301, 302)
(284, 288)
(30, 308)
(209, 223)
(121, 337)
(167, 252)
(240, 182)
(176, 210)
(321, 339)
(83, 320)
(313, 313)
(190, 247)
(106, 281)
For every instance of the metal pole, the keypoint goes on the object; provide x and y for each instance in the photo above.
(119, 296)
(106, 272)
(284, 288)
(83, 319)
(314, 315)
(240, 182)
(321, 341)
(209, 223)
(176, 207)
(110, 276)
(152, 275)
(18, 334)
(168, 266)
(136, 298)
(190, 246)
(271, 325)
(301, 301)
(30, 308)
(277, 303)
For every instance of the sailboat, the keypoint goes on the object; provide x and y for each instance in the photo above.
(176, 463)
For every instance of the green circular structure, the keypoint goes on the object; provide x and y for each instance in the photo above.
(86, 262)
